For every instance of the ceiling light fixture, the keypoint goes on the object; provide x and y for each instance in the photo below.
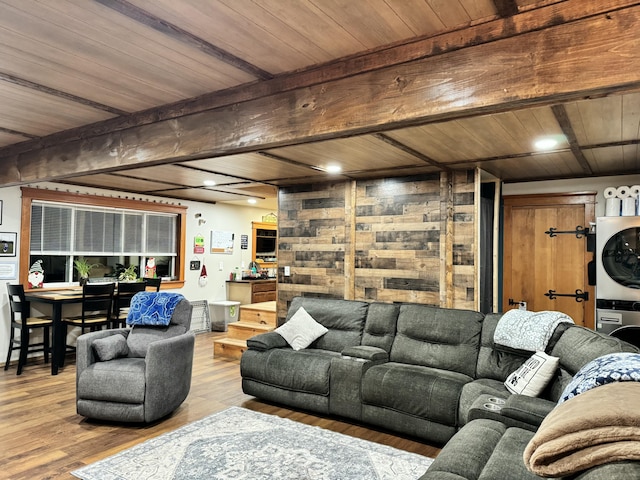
(333, 169)
(209, 183)
(252, 201)
(547, 143)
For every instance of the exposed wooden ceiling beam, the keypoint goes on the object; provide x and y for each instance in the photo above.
(15, 132)
(401, 146)
(506, 8)
(565, 124)
(529, 21)
(5, 77)
(177, 33)
(469, 80)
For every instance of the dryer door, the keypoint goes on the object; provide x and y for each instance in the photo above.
(621, 257)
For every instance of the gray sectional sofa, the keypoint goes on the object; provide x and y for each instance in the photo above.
(419, 370)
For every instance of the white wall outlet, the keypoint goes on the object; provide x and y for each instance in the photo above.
(287, 271)
(522, 306)
(220, 266)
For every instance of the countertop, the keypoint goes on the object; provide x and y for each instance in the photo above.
(253, 280)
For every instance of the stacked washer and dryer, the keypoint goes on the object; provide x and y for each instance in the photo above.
(618, 260)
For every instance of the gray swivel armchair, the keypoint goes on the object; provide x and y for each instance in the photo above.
(142, 373)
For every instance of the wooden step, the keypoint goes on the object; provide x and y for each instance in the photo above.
(244, 330)
(264, 313)
(229, 347)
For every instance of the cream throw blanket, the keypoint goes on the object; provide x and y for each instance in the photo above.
(599, 426)
(527, 330)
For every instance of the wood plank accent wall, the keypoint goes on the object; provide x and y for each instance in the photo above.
(409, 239)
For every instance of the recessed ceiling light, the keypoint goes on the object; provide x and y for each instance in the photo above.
(209, 183)
(547, 143)
(334, 168)
(252, 201)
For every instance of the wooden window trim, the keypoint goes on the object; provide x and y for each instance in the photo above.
(31, 194)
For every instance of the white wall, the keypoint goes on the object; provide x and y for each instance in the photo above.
(595, 184)
(219, 217)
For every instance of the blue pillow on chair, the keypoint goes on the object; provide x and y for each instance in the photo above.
(153, 308)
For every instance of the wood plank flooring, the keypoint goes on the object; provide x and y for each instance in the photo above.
(42, 436)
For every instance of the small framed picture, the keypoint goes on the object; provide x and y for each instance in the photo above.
(8, 244)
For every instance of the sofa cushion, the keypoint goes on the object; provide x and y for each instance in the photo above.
(533, 375)
(108, 348)
(447, 339)
(380, 326)
(306, 370)
(424, 392)
(576, 347)
(301, 330)
(343, 318)
(614, 367)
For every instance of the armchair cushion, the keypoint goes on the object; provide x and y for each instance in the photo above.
(139, 338)
(111, 347)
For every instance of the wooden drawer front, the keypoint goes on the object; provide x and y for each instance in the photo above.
(264, 287)
(260, 297)
(257, 316)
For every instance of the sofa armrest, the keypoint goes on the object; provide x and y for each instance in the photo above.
(514, 411)
(366, 352)
(531, 410)
(266, 341)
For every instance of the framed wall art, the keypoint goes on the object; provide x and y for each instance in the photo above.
(8, 244)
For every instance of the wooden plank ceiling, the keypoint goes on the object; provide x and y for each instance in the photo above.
(158, 96)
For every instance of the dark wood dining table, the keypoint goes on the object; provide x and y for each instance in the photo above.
(56, 298)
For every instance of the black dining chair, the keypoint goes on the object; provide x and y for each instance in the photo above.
(153, 284)
(122, 301)
(24, 323)
(97, 307)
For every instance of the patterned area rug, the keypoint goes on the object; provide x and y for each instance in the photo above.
(242, 444)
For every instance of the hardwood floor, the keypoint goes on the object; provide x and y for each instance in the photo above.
(42, 437)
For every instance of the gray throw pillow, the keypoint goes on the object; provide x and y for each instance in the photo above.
(111, 347)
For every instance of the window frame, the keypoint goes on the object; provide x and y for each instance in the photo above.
(30, 194)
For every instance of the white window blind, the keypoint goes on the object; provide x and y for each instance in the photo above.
(78, 230)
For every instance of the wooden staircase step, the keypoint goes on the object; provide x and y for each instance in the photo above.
(244, 330)
(264, 313)
(255, 318)
(229, 347)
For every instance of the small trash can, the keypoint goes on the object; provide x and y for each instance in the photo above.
(223, 313)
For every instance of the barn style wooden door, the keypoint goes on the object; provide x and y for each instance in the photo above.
(548, 272)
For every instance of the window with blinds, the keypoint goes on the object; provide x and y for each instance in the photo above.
(113, 238)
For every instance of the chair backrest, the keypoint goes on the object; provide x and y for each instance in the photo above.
(97, 299)
(126, 290)
(153, 283)
(17, 301)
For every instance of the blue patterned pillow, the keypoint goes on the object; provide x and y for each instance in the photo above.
(614, 367)
(153, 308)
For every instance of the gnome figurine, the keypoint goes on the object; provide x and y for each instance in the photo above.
(36, 275)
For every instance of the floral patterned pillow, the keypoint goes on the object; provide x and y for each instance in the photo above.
(614, 367)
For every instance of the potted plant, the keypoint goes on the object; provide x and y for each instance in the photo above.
(129, 274)
(83, 267)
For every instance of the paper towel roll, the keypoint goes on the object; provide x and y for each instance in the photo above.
(612, 207)
(635, 190)
(628, 207)
(609, 192)
(622, 192)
